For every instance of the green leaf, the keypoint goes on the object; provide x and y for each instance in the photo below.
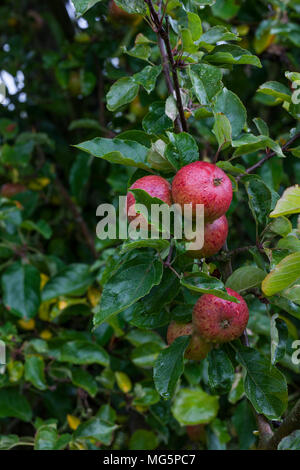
(148, 76)
(21, 290)
(34, 372)
(205, 284)
(79, 175)
(157, 158)
(206, 80)
(293, 294)
(229, 54)
(220, 371)
(143, 440)
(14, 405)
(83, 6)
(260, 199)
(79, 352)
(195, 26)
(169, 367)
(291, 442)
(277, 90)
(283, 275)
(262, 126)
(84, 123)
(265, 386)
(226, 9)
(281, 226)
(125, 152)
(157, 244)
(41, 227)
(74, 279)
(82, 379)
(98, 429)
(139, 51)
(156, 121)
(279, 337)
(192, 407)
(289, 203)
(132, 6)
(216, 34)
(245, 278)
(46, 437)
(132, 281)
(181, 150)
(122, 92)
(249, 143)
(145, 355)
(222, 129)
(228, 103)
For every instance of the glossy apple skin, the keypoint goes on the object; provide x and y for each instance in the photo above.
(203, 183)
(218, 320)
(154, 185)
(11, 189)
(197, 348)
(215, 235)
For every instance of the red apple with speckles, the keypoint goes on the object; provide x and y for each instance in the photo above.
(197, 349)
(203, 183)
(218, 320)
(154, 185)
(215, 235)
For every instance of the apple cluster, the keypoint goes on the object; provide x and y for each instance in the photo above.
(215, 320)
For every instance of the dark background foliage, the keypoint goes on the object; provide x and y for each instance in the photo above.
(60, 373)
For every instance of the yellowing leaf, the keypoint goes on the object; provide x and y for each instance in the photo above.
(46, 334)
(73, 422)
(94, 295)
(27, 324)
(289, 203)
(38, 183)
(123, 381)
(44, 279)
(285, 273)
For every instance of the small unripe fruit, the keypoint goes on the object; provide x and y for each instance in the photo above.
(11, 189)
(154, 185)
(218, 320)
(203, 183)
(215, 235)
(197, 349)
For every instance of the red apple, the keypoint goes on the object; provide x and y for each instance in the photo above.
(203, 183)
(197, 349)
(215, 235)
(154, 185)
(218, 320)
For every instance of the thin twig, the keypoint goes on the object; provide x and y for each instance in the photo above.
(268, 156)
(163, 33)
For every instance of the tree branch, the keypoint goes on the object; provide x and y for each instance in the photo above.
(291, 423)
(164, 35)
(268, 156)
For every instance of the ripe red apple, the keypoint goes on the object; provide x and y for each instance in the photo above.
(154, 185)
(218, 320)
(197, 349)
(203, 183)
(215, 235)
(11, 189)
